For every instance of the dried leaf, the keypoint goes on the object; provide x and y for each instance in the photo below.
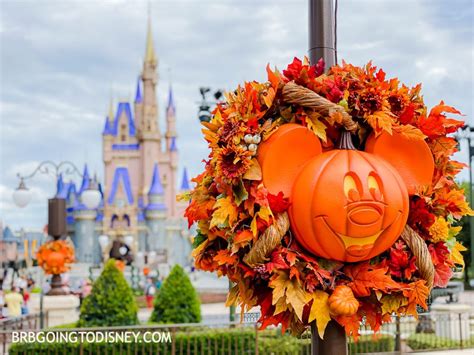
(320, 311)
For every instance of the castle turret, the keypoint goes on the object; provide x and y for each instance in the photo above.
(150, 137)
(138, 108)
(155, 213)
(185, 182)
(170, 120)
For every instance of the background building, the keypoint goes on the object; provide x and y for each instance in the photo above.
(141, 179)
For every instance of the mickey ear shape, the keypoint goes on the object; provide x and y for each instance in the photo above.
(283, 155)
(411, 158)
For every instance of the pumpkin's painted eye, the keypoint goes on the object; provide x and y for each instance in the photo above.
(352, 187)
(375, 186)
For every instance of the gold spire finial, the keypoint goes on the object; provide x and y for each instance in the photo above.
(150, 51)
(111, 108)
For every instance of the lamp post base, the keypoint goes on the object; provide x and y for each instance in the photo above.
(57, 286)
(334, 342)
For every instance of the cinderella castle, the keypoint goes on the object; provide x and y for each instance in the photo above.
(141, 180)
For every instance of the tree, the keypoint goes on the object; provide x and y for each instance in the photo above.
(177, 300)
(111, 301)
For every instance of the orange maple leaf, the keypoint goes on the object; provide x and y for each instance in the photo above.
(417, 293)
(223, 257)
(366, 277)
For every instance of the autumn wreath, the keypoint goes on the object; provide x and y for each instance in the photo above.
(243, 230)
(55, 256)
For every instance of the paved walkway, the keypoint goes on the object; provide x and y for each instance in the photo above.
(450, 352)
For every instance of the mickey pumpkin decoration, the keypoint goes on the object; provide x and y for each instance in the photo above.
(346, 204)
(328, 196)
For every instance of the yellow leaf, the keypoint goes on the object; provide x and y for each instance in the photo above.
(225, 211)
(314, 124)
(265, 213)
(278, 283)
(297, 297)
(320, 311)
(380, 120)
(391, 303)
(280, 306)
(456, 255)
(253, 226)
(254, 172)
(232, 296)
(268, 97)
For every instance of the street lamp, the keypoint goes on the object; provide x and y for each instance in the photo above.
(57, 226)
(204, 113)
(22, 195)
(91, 196)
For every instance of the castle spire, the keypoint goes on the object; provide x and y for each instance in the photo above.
(138, 93)
(111, 110)
(85, 180)
(185, 181)
(150, 55)
(156, 186)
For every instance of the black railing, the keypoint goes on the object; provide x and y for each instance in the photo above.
(436, 331)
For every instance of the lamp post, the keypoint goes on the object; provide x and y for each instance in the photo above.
(57, 227)
(322, 34)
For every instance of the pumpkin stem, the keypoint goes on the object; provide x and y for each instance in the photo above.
(345, 141)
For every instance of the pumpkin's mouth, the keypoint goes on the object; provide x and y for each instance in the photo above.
(359, 246)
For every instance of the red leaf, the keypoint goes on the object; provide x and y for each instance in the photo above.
(401, 264)
(278, 203)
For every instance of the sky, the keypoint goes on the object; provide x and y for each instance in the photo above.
(61, 61)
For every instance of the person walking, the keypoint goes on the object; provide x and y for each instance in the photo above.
(14, 300)
(149, 292)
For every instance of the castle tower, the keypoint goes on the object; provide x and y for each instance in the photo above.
(170, 120)
(149, 132)
(86, 248)
(155, 212)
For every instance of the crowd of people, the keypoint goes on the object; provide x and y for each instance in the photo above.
(14, 302)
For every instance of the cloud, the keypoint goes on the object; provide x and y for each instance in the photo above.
(59, 62)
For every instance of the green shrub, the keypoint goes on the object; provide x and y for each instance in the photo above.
(432, 341)
(177, 301)
(111, 301)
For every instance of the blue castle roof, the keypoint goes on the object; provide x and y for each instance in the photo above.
(138, 94)
(173, 145)
(112, 127)
(85, 180)
(185, 181)
(121, 177)
(156, 186)
(171, 105)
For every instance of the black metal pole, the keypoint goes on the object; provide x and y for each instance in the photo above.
(321, 32)
(322, 45)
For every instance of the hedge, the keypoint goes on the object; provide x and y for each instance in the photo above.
(423, 341)
(222, 341)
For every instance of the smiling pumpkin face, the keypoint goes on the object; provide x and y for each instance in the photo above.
(348, 205)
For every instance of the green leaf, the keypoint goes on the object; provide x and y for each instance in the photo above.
(198, 240)
(240, 193)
